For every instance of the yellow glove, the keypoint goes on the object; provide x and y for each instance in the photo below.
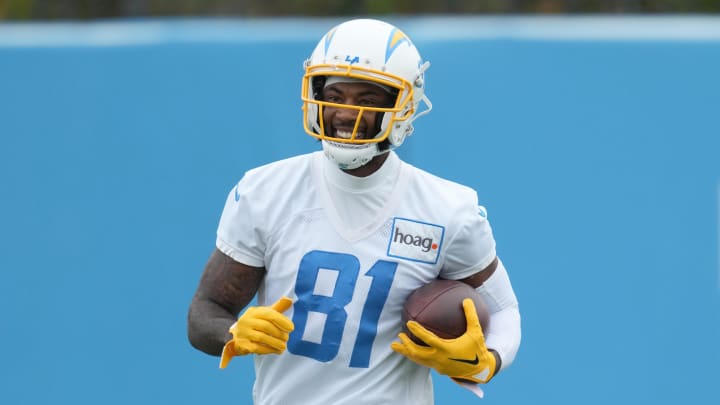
(260, 330)
(465, 358)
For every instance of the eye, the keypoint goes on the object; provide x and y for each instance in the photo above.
(369, 102)
(333, 99)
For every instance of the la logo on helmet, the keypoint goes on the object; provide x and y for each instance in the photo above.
(355, 59)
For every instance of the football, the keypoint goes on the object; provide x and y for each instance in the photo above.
(438, 307)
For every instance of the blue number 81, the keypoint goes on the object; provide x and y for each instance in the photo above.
(333, 306)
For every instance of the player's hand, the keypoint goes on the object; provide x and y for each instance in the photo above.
(465, 358)
(259, 330)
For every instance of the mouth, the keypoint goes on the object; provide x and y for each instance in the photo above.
(347, 134)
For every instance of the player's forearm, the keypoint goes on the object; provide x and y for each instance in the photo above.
(504, 335)
(208, 326)
(504, 331)
(225, 288)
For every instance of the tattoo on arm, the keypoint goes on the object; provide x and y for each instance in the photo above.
(225, 288)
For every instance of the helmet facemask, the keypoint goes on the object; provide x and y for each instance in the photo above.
(399, 110)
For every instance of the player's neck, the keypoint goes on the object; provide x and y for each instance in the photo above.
(370, 167)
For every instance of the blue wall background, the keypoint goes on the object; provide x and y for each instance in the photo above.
(594, 144)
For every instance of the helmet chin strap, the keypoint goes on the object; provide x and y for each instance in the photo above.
(348, 156)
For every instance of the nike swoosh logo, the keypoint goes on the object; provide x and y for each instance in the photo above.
(474, 361)
(237, 196)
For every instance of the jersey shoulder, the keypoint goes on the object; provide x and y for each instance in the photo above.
(279, 173)
(264, 199)
(442, 192)
(278, 190)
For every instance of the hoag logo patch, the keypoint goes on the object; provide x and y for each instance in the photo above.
(415, 240)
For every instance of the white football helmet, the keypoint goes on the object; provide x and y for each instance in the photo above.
(367, 50)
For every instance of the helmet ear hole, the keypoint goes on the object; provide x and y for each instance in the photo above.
(318, 83)
(394, 94)
(385, 123)
(313, 118)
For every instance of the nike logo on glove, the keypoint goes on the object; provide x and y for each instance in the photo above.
(474, 361)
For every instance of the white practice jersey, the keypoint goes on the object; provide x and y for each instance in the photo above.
(348, 284)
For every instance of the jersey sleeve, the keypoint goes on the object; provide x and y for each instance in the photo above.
(238, 234)
(472, 248)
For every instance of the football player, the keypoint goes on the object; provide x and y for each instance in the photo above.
(333, 242)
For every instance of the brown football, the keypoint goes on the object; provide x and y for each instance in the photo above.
(438, 307)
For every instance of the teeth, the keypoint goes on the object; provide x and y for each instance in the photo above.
(347, 135)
